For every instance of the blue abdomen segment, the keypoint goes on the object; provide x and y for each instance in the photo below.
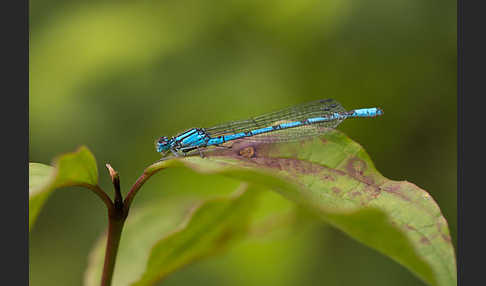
(366, 112)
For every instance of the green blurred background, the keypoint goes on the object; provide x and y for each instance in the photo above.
(115, 75)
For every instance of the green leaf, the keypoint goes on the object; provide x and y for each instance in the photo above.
(335, 178)
(166, 235)
(71, 169)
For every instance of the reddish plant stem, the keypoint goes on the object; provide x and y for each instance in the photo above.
(101, 194)
(116, 220)
(117, 214)
(133, 191)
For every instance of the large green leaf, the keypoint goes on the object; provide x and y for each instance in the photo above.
(71, 169)
(164, 236)
(334, 177)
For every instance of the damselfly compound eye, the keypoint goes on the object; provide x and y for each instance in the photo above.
(163, 140)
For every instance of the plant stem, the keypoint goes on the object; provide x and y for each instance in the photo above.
(116, 220)
(133, 191)
(100, 193)
(117, 213)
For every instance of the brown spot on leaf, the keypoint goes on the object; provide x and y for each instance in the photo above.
(355, 167)
(446, 237)
(247, 152)
(336, 190)
(409, 227)
(328, 177)
(268, 162)
(338, 172)
(293, 167)
(424, 240)
(260, 154)
(395, 189)
(355, 194)
(440, 223)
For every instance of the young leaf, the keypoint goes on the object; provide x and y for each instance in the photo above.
(162, 237)
(334, 177)
(71, 169)
(39, 176)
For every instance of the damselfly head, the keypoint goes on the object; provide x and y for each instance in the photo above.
(162, 144)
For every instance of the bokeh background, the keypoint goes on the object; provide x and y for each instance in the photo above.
(115, 75)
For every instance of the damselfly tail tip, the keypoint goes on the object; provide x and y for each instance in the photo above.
(379, 111)
(366, 112)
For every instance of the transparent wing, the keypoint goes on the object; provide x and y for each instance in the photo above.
(319, 108)
(291, 134)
